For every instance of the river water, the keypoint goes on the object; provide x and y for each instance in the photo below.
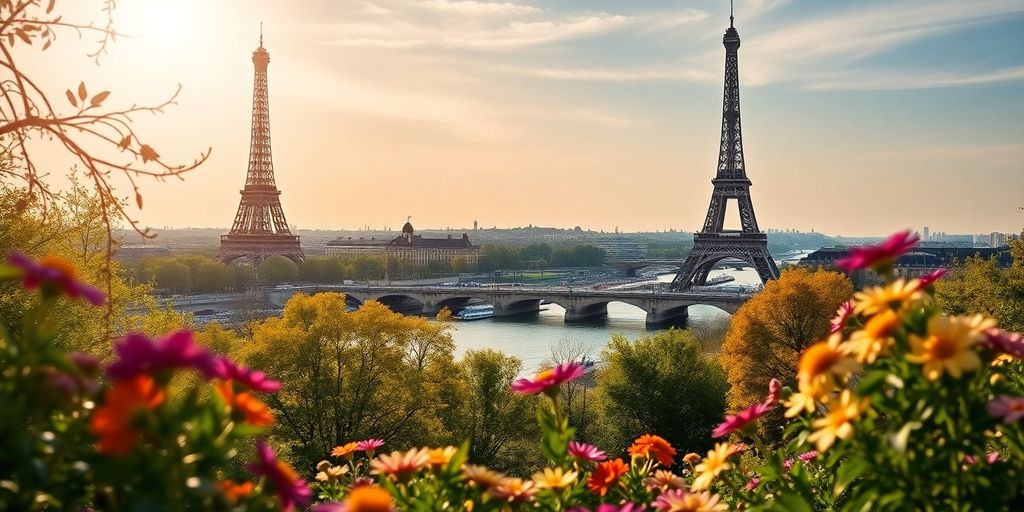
(531, 338)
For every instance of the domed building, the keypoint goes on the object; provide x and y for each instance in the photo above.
(409, 247)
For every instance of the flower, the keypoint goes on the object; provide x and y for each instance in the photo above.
(843, 315)
(715, 463)
(691, 458)
(514, 490)
(113, 423)
(678, 500)
(586, 452)
(837, 424)
(440, 457)
(879, 256)
(752, 484)
(369, 446)
(948, 347)
(652, 446)
(329, 506)
(774, 390)
(344, 450)
(330, 473)
(137, 354)
(1009, 408)
(1005, 342)
(54, 275)
(233, 490)
(250, 409)
(929, 279)
(804, 402)
(738, 448)
(369, 498)
(547, 381)
(224, 368)
(808, 456)
(823, 364)
(398, 465)
(664, 480)
(481, 476)
(606, 475)
(554, 478)
(788, 463)
(612, 507)
(875, 338)
(741, 419)
(291, 490)
(899, 295)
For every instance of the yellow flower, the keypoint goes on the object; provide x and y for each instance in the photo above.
(837, 423)
(481, 476)
(898, 296)
(691, 458)
(875, 338)
(823, 365)
(803, 402)
(678, 500)
(439, 457)
(947, 347)
(716, 462)
(514, 490)
(554, 478)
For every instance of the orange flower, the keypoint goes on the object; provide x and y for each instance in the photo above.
(233, 490)
(606, 475)
(344, 450)
(252, 410)
(651, 446)
(369, 498)
(113, 423)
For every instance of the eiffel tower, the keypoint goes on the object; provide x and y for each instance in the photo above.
(714, 243)
(260, 229)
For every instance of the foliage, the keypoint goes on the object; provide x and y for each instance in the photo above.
(539, 256)
(979, 285)
(769, 331)
(660, 383)
(278, 269)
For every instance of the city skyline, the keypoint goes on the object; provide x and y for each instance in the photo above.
(592, 114)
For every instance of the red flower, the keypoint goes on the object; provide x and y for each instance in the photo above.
(878, 255)
(53, 274)
(548, 380)
(114, 422)
(137, 354)
(653, 447)
(606, 475)
(291, 490)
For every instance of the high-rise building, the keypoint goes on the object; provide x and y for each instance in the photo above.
(924, 234)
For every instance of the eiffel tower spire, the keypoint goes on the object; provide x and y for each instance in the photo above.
(714, 243)
(260, 229)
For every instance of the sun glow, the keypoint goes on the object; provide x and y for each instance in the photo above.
(158, 24)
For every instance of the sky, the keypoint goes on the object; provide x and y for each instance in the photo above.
(859, 118)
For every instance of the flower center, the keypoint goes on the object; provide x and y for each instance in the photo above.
(545, 375)
(59, 264)
(942, 348)
(882, 325)
(819, 359)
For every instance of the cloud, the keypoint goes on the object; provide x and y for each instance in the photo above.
(475, 8)
(654, 74)
(882, 81)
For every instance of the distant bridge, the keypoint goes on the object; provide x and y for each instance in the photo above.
(630, 267)
(579, 304)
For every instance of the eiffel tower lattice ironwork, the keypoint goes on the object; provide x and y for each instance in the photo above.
(713, 242)
(260, 229)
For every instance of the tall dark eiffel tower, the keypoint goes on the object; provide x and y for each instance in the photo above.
(714, 243)
(260, 229)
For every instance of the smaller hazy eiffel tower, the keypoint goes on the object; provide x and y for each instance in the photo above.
(714, 243)
(260, 229)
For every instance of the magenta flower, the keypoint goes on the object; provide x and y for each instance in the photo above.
(741, 419)
(1005, 342)
(369, 446)
(330, 506)
(611, 507)
(881, 254)
(291, 490)
(808, 456)
(843, 315)
(137, 354)
(929, 279)
(774, 389)
(54, 275)
(752, 484)
(1009, 408)
(547, 381)
(586, 452)
(788, 464)
(992, 457)
(224, 368)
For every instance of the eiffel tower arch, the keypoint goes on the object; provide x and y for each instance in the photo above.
(260, 229)
(713, 242)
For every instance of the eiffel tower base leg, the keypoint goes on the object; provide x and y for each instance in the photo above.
(710, 248)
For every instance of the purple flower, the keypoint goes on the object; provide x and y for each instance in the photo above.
(137, 354)
(224, 368)
(586, 452)
(291, 490)
(53, 274)
(1009, 408)
(876, 255)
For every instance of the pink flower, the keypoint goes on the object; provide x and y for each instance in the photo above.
(611, 507)
(586, 452)
(874, 255)
(750, 414)
(992, 457)
(843, 315)
(291, 490)
(752, 484)
(224, 368)
(929, 279)
(1010, 408)
(330, 506)
(808, 456)
(788, 463)
(738, 448)
(547, 381)
(774, 388)
(1005, 342)
(54, 275)
(369, 446)
(137, 354)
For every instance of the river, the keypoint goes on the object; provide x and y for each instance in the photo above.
(531, 338)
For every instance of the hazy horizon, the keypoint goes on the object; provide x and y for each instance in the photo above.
(858, 118)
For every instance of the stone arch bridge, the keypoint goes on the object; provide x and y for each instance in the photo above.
(579, 304)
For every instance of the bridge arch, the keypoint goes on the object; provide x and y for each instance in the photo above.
(401, 303)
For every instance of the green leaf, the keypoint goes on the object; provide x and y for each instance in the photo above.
(792, 503)
(848, 472)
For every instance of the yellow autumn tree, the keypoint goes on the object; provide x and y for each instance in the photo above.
(769, 332)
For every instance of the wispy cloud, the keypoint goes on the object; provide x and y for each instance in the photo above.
(896, 81)
(475, 8)
(655, 74)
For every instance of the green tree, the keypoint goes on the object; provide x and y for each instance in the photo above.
(172, 276)
(211, 276)
(278, 269)
(661, 383)
(979, 285)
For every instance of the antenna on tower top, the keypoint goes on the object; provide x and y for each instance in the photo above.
(730, 20)
(261, 34)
